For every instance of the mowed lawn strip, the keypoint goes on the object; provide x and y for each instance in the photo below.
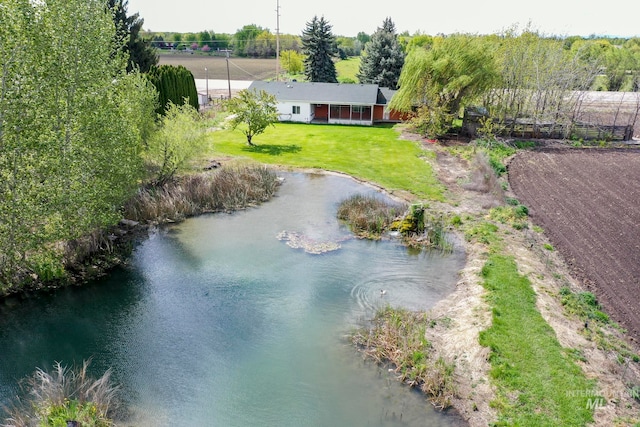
(374, 154)
(538, 384)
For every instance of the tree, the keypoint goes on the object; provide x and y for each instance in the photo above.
(175, 84)
(454, 72)
(363, 37)
(383, 58)
(540, 79)
(243, 39)
(254, 111)
(318, 44)
(72, 125)
(142, 55)
(291, 61)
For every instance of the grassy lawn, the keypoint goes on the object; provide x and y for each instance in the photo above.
(538, 384)
(347, 69)
(374, 154)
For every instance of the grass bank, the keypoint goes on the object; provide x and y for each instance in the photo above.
(375, 154)
(537, 381)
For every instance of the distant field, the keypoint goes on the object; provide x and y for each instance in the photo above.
(239, 68)
(348, 69)
(243, 68)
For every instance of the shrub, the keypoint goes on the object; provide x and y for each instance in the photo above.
(62, 395)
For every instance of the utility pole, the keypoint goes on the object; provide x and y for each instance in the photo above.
(206, 73)
(228, 77)
(277, 40)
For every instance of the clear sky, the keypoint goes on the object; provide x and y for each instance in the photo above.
(348, 17)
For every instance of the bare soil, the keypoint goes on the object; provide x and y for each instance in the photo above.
(588, 202)
(216, 65)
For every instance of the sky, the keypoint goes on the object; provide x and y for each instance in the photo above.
(348, 17)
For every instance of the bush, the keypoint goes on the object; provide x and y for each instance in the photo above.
(62, 395)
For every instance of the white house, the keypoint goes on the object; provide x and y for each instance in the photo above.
(335, 103)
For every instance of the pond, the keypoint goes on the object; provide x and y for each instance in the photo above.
(220, 321)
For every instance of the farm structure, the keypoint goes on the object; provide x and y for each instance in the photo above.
(333, 103)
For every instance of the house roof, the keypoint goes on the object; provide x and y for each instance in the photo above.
(322, 93)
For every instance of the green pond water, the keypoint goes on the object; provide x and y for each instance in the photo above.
(218, 321)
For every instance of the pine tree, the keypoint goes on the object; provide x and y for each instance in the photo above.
(383, 58)
(318, 44)
(142, 54)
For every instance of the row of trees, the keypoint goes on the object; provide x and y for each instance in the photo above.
(72, 122)
(514, 75)
(381, 62)
(79, 133)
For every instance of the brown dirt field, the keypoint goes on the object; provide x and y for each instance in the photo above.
(467, 312)
(239, 68)
(587, 201)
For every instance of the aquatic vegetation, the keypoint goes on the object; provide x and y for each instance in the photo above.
(229, 188)
(397, 337)
(369, 216)
(297, 240)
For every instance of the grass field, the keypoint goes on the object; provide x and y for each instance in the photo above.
(537, 383)
(374, 154)
(347, 70)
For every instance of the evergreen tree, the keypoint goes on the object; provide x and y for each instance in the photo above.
(383, 58)
(175, 85)
(141, 53)
(318, 44)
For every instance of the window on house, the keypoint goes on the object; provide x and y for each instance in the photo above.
(296, 109)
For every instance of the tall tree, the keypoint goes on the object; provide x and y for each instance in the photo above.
(142, 55)
(175, 85)
(71, 128)
(383, 57)
(318, 44)
(455, 71)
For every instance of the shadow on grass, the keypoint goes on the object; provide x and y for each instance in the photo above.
(273, 149)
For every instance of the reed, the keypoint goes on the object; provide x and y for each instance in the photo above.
(397, 337)
(228, 188)
(368, 216)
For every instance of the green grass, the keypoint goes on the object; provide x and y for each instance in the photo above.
(347, 69)
(538, 383)
(374, 154)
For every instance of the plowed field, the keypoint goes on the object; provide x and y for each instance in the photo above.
(588, 202)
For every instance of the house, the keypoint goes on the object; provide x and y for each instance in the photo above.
(335, 103)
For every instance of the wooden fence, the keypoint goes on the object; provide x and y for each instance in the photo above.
(523, 128)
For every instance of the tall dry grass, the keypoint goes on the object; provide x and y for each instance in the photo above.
(226, 189)
(65, 393)
(369, 216)
(397, 337)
